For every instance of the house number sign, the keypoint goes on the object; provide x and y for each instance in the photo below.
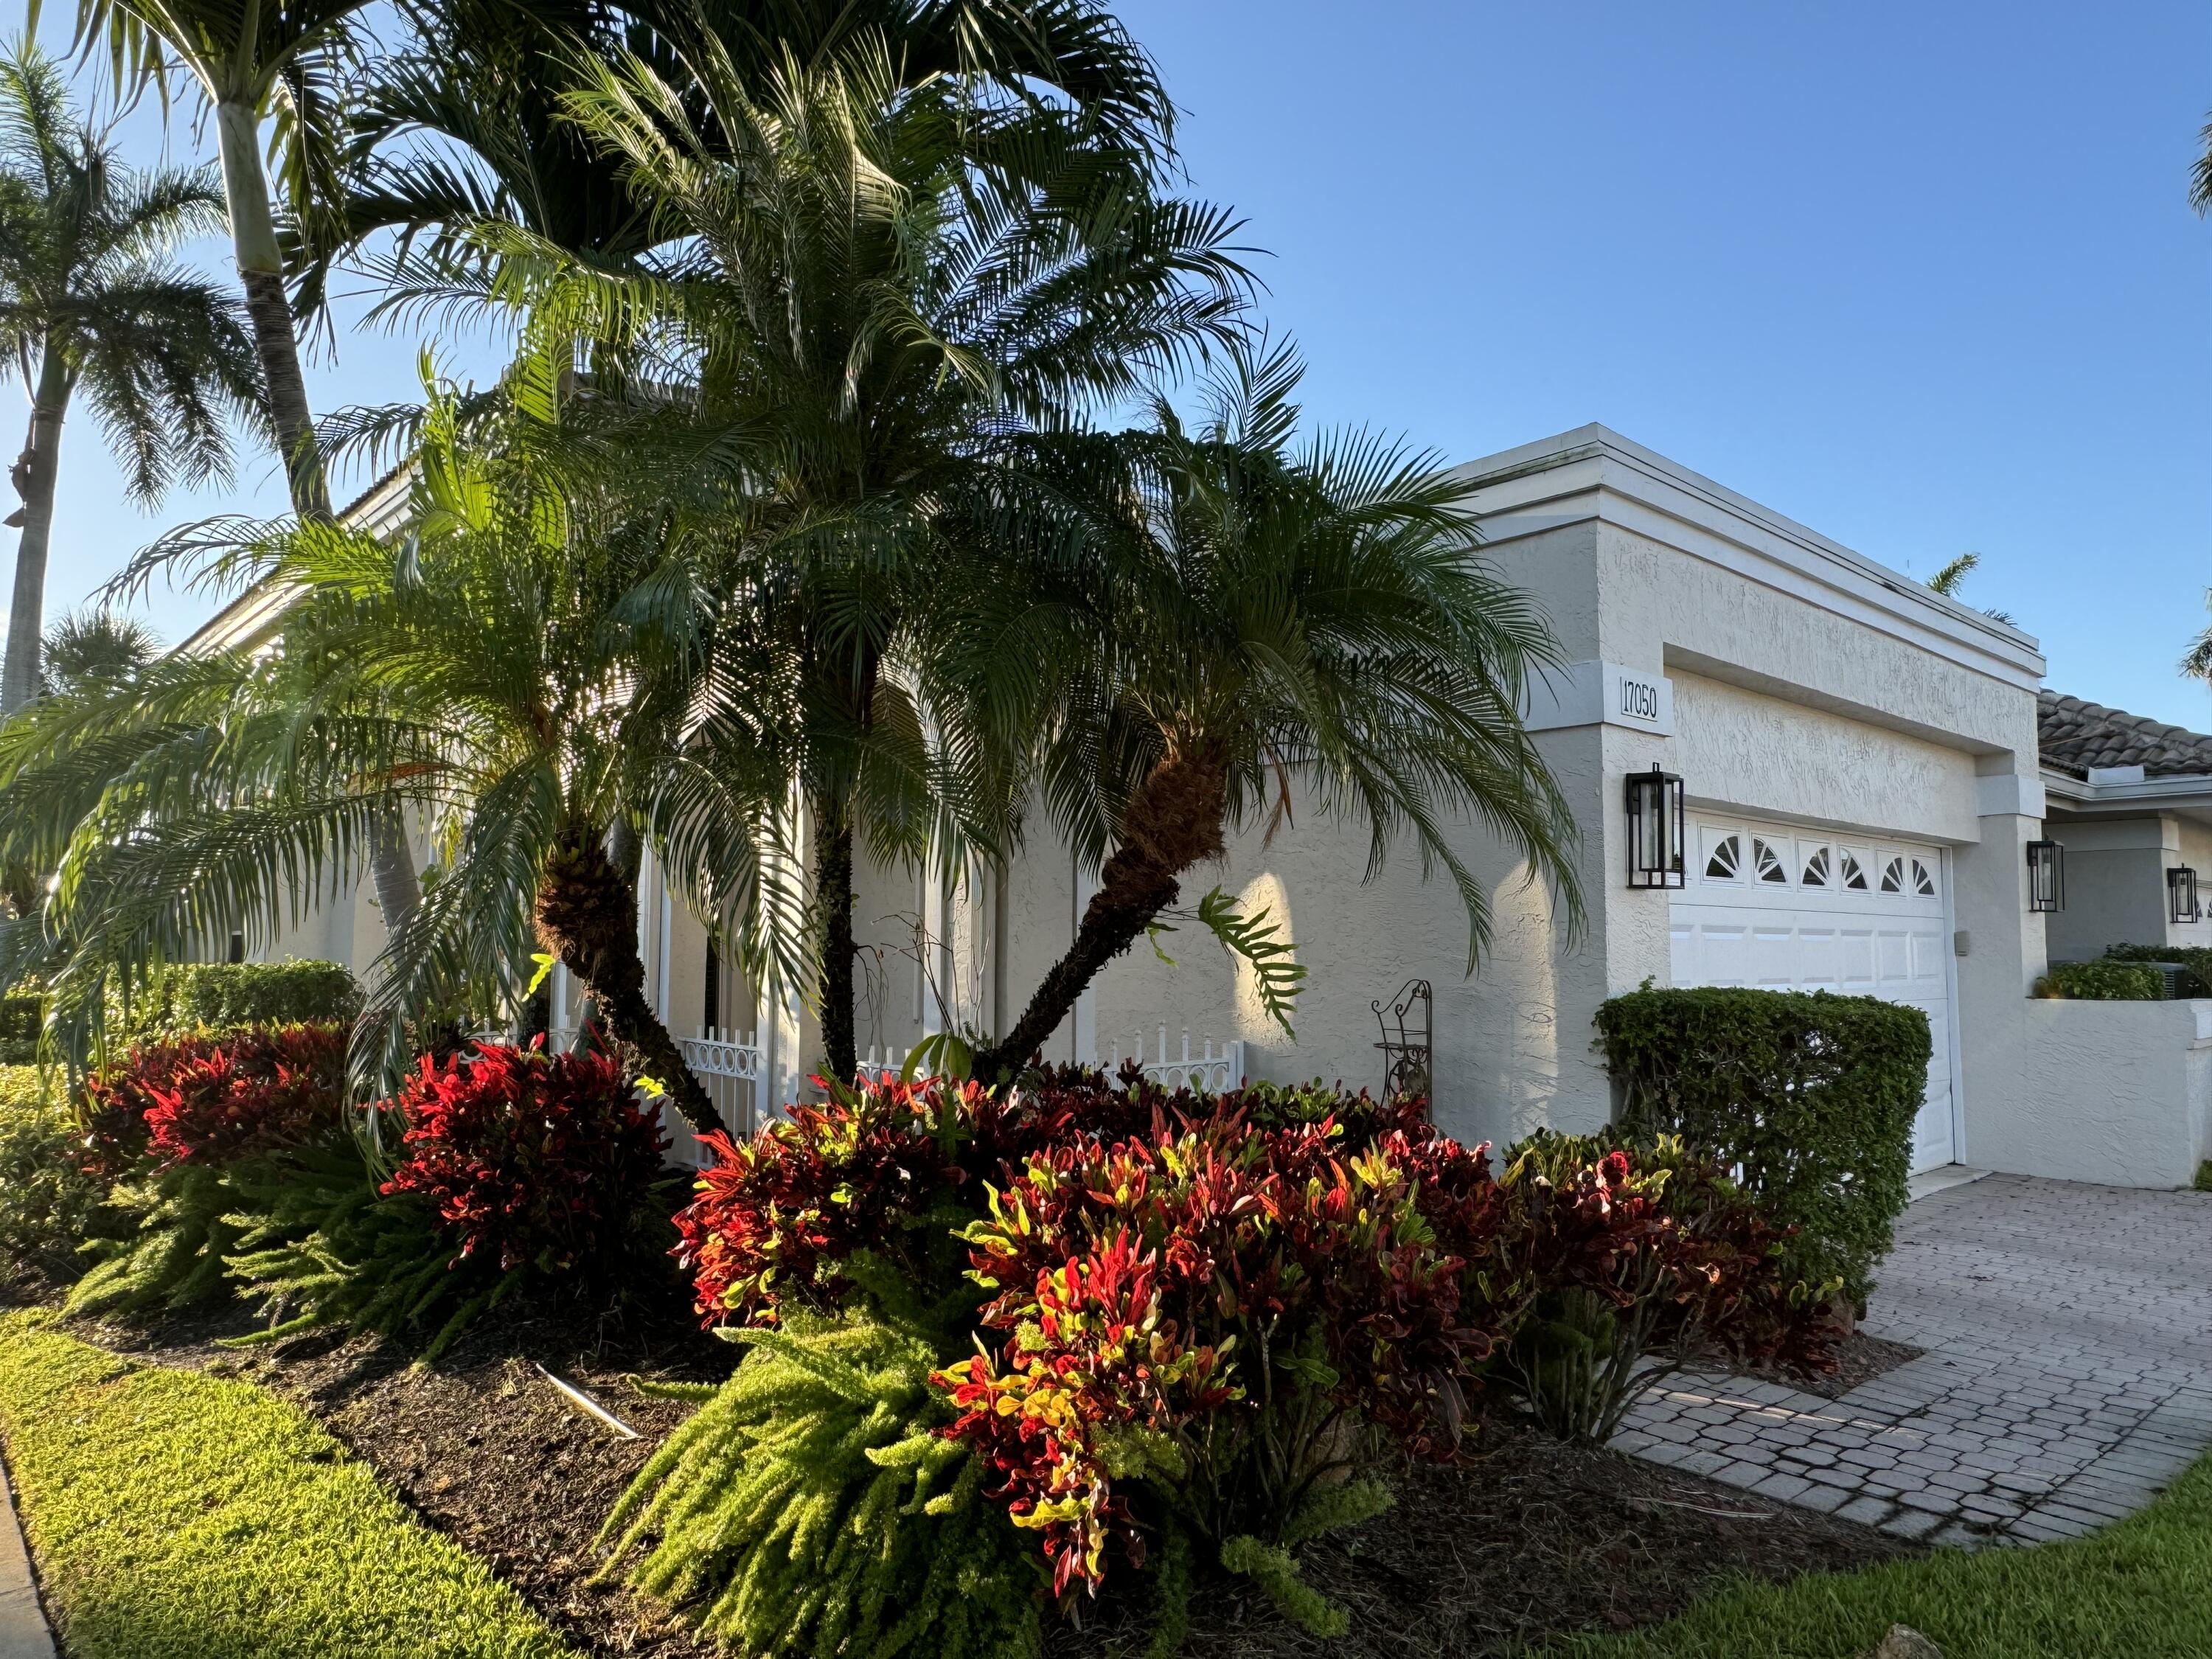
(1594, 693)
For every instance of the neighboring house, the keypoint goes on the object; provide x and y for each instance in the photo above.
(1861, 775)
(2130, 800)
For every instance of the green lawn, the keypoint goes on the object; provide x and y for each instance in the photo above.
(2141, 1589)
(177, 1514)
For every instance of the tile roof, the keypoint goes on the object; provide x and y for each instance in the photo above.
(2075, 736)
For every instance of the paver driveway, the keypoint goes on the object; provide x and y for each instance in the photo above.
(2068, 1375)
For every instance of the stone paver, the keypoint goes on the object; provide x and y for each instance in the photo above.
(2068, 1377)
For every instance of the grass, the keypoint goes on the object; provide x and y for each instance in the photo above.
(2139, 1590)
(179, 1516)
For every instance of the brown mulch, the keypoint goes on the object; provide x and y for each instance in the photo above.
(1860, 1358)
(1529, 1540)
(1533, 1540)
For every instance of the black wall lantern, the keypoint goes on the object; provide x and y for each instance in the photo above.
(2046, 876)
(2181, 894)
(1654, 829)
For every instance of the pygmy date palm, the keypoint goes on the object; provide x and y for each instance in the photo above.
(869, 287)
(1257, 616)
(91, 305)
(522, 672)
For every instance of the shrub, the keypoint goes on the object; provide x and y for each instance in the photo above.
(1209, 1309)
(1639, 1259)
(2203, 1182)
(320, 1245)
(1808, 1097)
(211, 1100)
(530, 1157)
(50, 1207)
(180, 1227)
(1184, 1320)
(20, 1019)
(873, 1168)
(812, 1506)
(2197, 982)
(2102, 982)
(219, 997)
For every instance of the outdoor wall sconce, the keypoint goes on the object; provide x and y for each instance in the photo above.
(2046, 876)
(2181, 894)
(1654, 829)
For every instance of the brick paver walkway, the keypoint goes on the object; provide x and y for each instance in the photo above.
(2068, 1375)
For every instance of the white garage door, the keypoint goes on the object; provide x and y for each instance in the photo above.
(1790, 909)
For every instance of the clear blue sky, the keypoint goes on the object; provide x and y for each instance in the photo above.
(1922, 277)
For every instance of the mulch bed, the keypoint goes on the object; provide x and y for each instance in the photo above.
(1860, 1358)
(1532, 1539)
(1529, 1540)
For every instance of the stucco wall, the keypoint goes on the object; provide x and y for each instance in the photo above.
(1763, 755)
(2119, 1093)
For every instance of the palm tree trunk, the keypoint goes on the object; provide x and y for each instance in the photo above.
(587, 915)
(36, 473)
(1172, 822)
(832, 893)
(261, 273)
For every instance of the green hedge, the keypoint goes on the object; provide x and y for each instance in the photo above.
(2103, 981)
(223, 996)
(1809, 1095)
(20, 1019)
(2195, 958)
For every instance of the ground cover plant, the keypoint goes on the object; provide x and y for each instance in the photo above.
(1807, 1097)
(2137, 1589)
(175, 1513)
(1173, 1329)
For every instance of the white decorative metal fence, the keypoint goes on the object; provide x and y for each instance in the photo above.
(729, 1067)
(1208, 1071)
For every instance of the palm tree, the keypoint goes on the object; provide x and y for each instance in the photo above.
(1256, 619)
(96, 648)
(90, 303)
(869, 285)
(527, 670)
(253, 63)
(2200, 175)
(1952, 577)
(466, 127)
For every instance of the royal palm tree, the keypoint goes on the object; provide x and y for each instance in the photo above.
(254, 64)
(279, 65)
(91, 304)
(527, 672)
(1256, 617)
(869, 286)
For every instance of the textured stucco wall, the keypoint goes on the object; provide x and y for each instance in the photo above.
(2115, 885)
(2111, 1093)
(1763, 755)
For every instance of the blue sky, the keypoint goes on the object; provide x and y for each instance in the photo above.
(1922, 277)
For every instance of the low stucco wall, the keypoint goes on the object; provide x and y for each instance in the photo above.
(2119, 1093)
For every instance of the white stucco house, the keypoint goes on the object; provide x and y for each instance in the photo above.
(1864, 764)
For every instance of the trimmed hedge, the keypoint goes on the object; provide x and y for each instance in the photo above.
(210, 997)
(21, 1018)
(1809, 1095)
(2195, 958)
(2103, 981)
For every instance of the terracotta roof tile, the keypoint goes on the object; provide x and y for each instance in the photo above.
(2075, 736)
